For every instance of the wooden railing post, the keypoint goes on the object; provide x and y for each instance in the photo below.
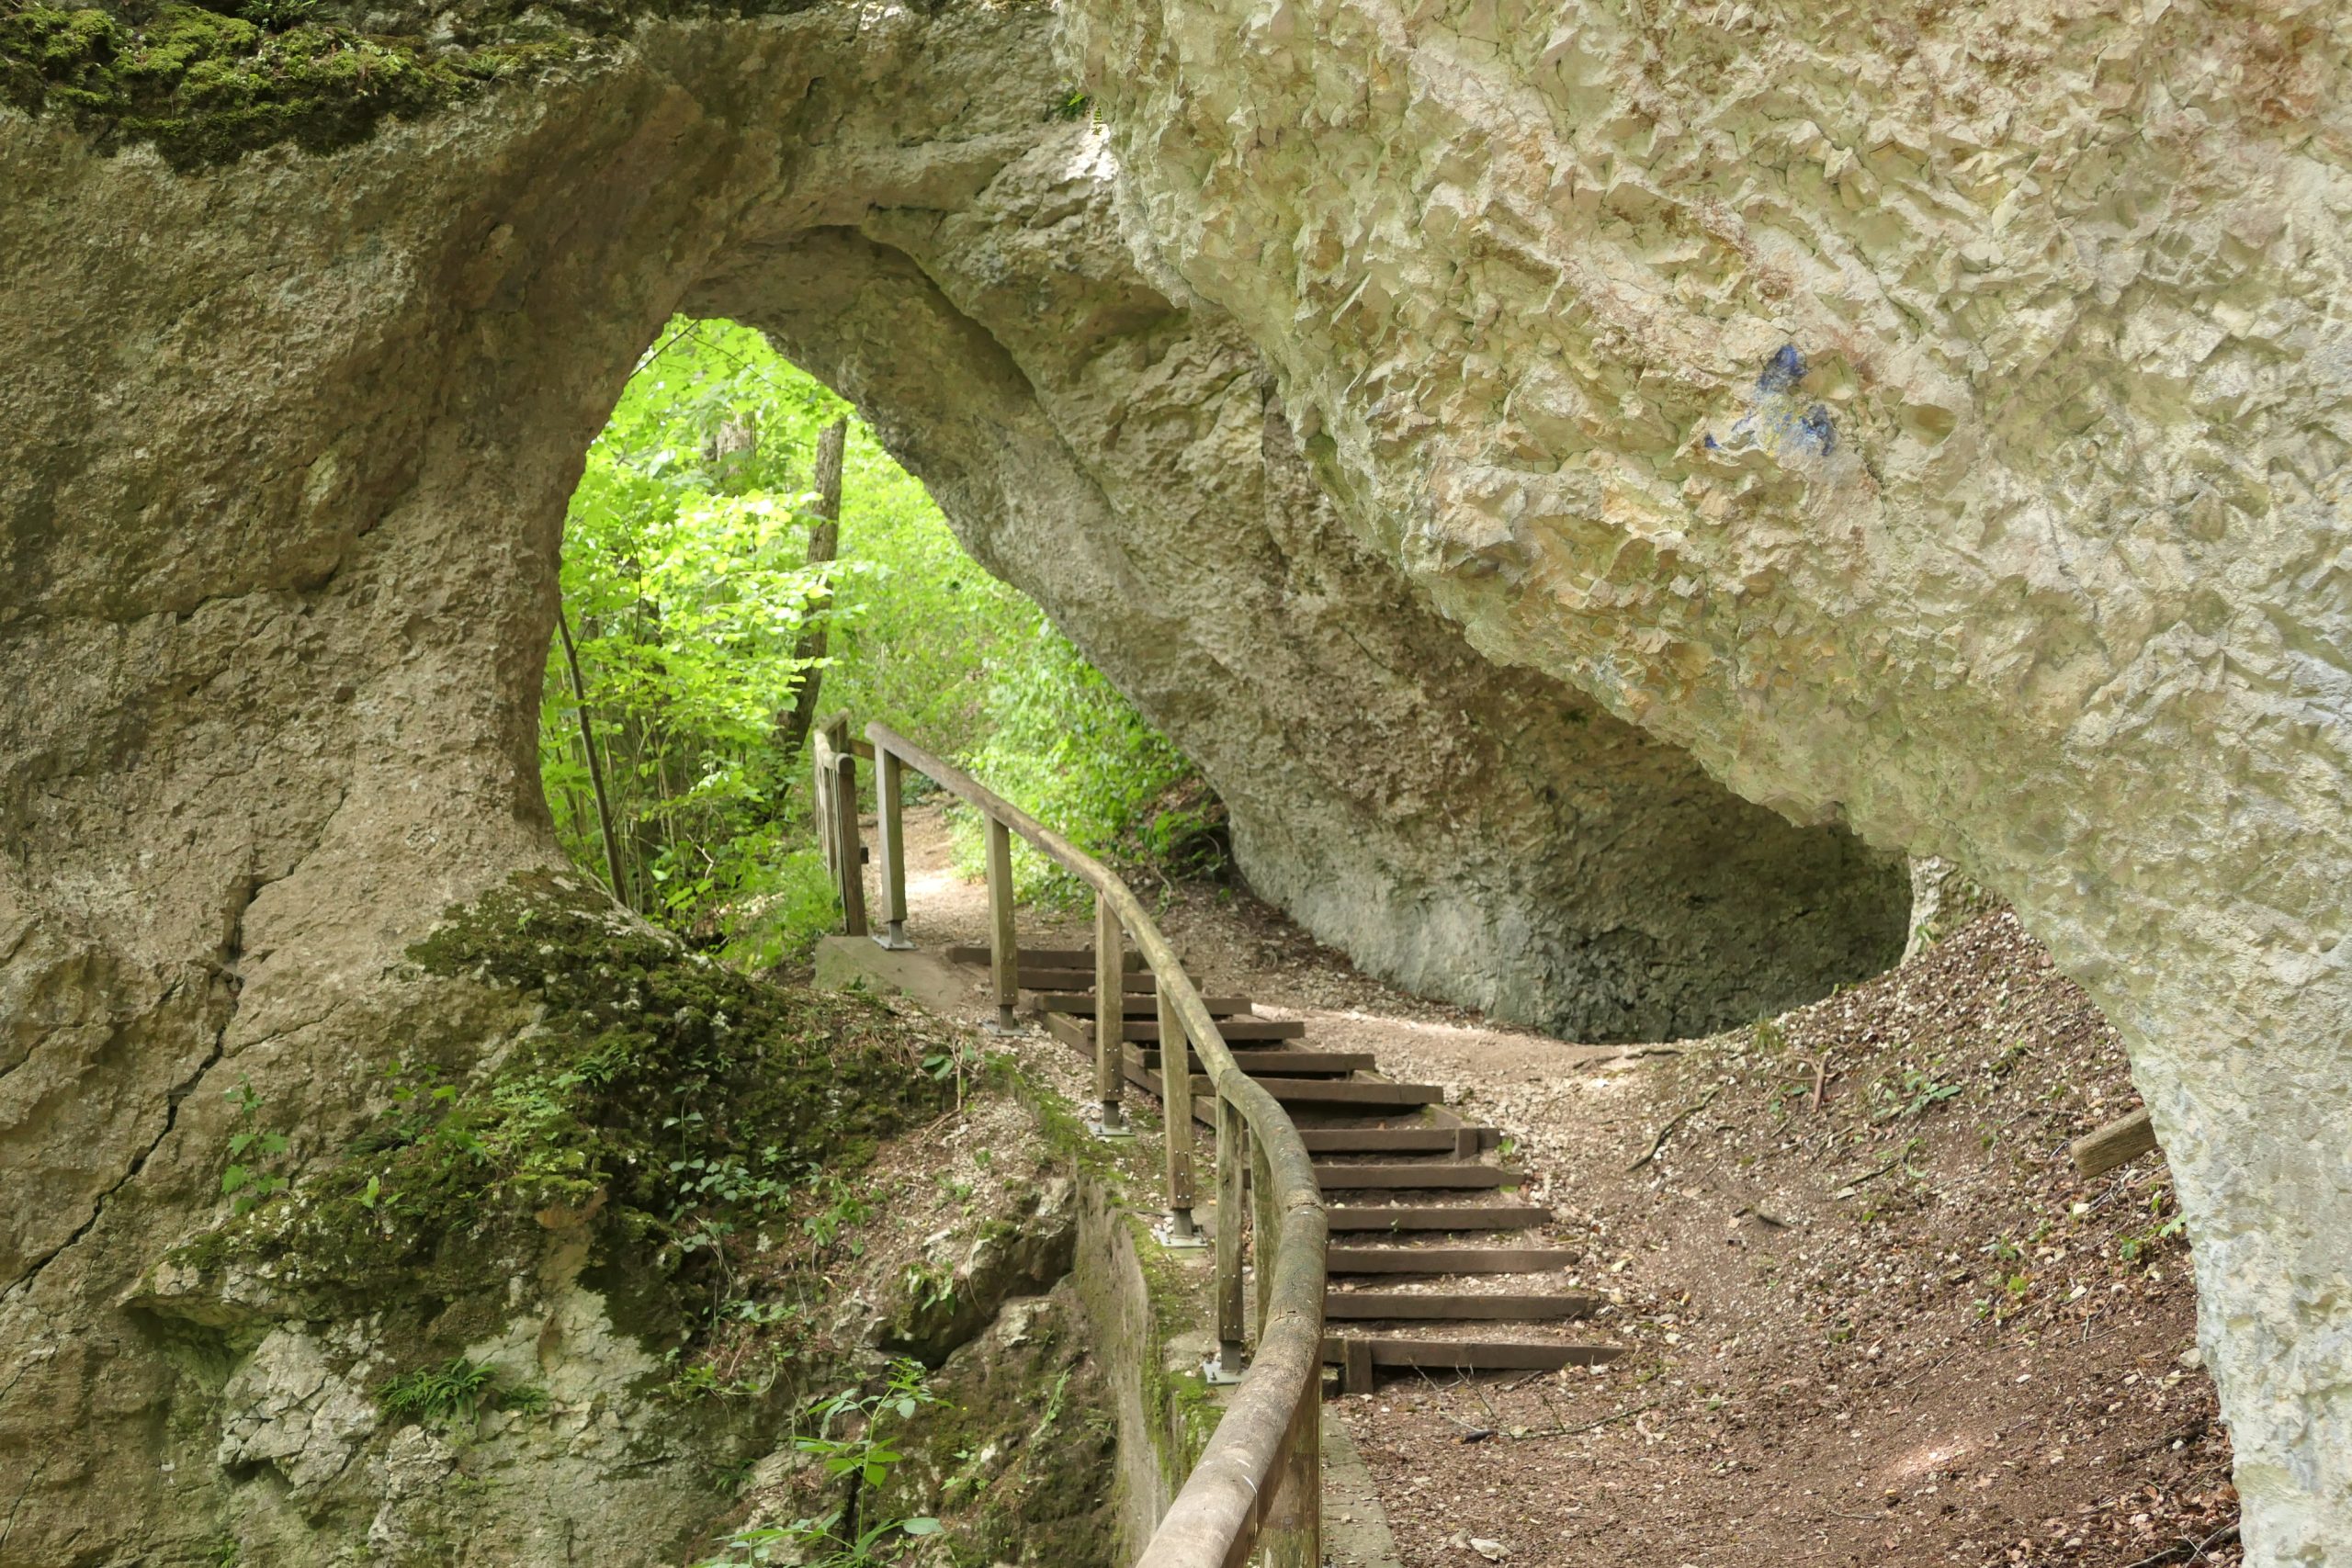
(849, 862)
(1110, 1019)
(821, 769)
(1232, 1159)
(1004, 952)
(1265, 1230)
(1290, 1530)
(1257, 1470)
(891, 816)
(1176, 1099)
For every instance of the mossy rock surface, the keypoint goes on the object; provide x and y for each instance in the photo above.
(658, 1102)
(206, 84)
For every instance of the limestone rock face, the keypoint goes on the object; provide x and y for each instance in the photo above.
(1934, 418)
(1472, 432)
(284, 452)
(1484, 834)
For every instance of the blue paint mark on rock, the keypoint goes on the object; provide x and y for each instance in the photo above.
(1815, 430)
(1781, 375)
(1775, 423)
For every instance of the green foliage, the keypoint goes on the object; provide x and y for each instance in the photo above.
(662, 1095)
(247, 1182)
(1064, 745)
(437, 1395)
(855, 1438)
(685, 573)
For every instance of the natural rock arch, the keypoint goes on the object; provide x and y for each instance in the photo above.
(290, 446)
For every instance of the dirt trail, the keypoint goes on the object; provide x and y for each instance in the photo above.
(1879, 1324)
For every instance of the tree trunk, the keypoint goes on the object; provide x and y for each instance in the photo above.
(596, 769)
(824, 542)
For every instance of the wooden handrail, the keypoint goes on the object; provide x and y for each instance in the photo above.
(1259, 1475)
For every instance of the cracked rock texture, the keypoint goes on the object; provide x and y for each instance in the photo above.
(287, 444)
(1933, 417)
(1472, 431)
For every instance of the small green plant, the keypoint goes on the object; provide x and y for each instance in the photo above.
(929, 1288)
(956, 1192)
(2157, 1231)
(246, 1182)
(1911, 1094)
(960, 1060)
(1070, 103)
(863, 1451)
(437, 1395)
(818, 1543)
(1770, 1038)
(852, 1438)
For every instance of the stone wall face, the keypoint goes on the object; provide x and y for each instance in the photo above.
(1480, 833)
(284, 451)
(1935, 418)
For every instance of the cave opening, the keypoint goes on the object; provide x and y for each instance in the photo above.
(741, 555)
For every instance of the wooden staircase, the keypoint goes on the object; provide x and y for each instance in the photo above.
(1417, 1208)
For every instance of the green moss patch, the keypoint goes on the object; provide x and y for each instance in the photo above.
(668, 1106)
(207, 86)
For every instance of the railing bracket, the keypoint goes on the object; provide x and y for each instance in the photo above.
(1178, 1236)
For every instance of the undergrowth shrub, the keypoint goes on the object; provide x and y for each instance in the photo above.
(1064, 746)
(663, 1098)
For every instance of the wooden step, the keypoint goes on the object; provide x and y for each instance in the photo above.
(1446, 1259)
(1338, 1176)
(1359, 1355)
(1043, 958)
(1036, 978)
(1423, 1140)
(1450, 1307)
(1080, 1004)
(1345, 1092)
(1233, 1029)
(1435, 1217)
(1279, 1063)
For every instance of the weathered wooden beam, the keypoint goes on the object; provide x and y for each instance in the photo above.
(1402, 1306)
(1336, 1177)
(1435, 1217)
(2118, 1142)
(1448, 1259)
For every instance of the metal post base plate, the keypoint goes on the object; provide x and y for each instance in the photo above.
(1217, 1373)
(1187, 1240)
(1108, 1132)
(1002, 1030)
(894, 939)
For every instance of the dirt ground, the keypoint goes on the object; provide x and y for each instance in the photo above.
(1873, 1315)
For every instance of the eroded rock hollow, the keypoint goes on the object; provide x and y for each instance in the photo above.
(1472, 436)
